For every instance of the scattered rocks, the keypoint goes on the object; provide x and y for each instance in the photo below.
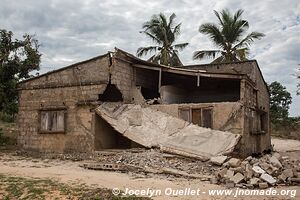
(218, 160)
(258, 170)
(254, 181)
(268, 178)
(237, 178)
(275, 162)
(263, 185)
(234, 162)
(288, 173)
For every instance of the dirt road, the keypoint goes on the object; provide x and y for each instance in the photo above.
(69, 172)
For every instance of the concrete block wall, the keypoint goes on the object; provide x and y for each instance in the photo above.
(70, 88)
(122, 77)
(222, 114)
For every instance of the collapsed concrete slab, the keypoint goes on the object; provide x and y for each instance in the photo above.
(152, 128)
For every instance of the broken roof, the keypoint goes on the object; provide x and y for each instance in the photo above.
(222, 70)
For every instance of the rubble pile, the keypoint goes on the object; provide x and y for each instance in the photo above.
(252, 172)
(154, 159)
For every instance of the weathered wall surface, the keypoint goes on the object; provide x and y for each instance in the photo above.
(62, 89)
(256, 104)
(93, 71)
(122, 77)
(227, 116)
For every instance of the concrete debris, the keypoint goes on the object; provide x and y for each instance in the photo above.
(275, 162)
(145, 162)
(237, 178)
(268, 178)
(288, 173)
(254, 181)
(263, 185)
(218, 160)
(258, 170)
(229, 174)
(234, 162)
(229, 184)
(170, 134)
(296, 180)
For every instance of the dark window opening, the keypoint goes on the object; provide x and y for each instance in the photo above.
(111, 94)
(148, 81)
(106, 137)
(184, 89)
(149, 93)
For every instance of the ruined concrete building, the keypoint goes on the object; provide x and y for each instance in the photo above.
(119, 101)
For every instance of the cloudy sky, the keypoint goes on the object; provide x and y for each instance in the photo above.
(74, 30)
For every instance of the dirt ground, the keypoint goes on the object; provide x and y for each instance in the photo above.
(70, 173)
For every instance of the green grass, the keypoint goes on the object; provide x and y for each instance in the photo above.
(12, 187)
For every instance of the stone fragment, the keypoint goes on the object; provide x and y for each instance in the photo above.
(248, 172)
(268, 178)
(237, 178)
(229, 173)
(249, 186)
(288, 173)
(249, 158)
(214, 180)
(296, 180)
(229, 184)
(221, 173)
(275, 162)
(237, 169)
(234, 162)
(254, 181)
(282, 178)
(263, 185)
(253, 161)
(258, 170)
(218, 160)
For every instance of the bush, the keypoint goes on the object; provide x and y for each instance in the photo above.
(3, 140)
(7, 117)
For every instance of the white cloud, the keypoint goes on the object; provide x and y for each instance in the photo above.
(73, 30)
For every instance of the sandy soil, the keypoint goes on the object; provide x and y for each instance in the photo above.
(70, 172)
(285, 145)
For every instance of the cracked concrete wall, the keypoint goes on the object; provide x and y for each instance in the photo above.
(227, 116)
(62, 90)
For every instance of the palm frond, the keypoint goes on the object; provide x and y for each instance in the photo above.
(214, 33)
(155, 58)
(249, 39)
(199, 55)
(153, 37)
(242, 53)
(175, 60)
(180, 46)
(219, 17)
(143, 51)
(171, 20)
(218, 60)
(176, 30)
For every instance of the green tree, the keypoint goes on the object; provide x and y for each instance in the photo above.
(17, 59)
(227, 36)
(280, 100)
(164, 33)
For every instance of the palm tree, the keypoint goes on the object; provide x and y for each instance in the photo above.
(163, 33)
(228, 37)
